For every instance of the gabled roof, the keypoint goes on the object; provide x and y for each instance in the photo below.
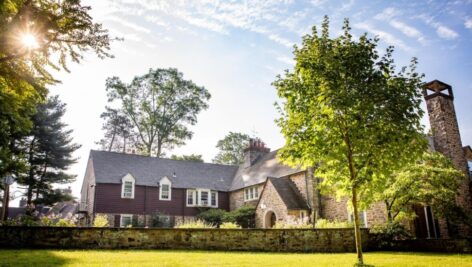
(289, 193)
(267, 166)
(110, 167)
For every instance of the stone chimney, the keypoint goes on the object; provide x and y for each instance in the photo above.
(255, 150)
(445, 130)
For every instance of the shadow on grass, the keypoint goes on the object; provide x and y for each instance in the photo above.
(24, 257)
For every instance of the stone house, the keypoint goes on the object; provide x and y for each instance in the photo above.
(128, 187)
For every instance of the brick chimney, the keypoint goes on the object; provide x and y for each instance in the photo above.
(445, 130)
(255, 150)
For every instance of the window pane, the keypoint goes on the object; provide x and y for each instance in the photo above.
(128, 189)
(256, 193)
(204, 198)
(246, 194)
(213, 198)
(190, 197)
(125, 221)
(165, 191)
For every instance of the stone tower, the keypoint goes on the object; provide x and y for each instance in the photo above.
(446, 136)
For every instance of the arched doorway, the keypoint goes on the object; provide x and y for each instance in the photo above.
(269, 219)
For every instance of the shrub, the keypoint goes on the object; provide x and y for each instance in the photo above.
(161, 220)
(385, 234)
(245, 216)
(100, 221)
(229, 225)
(194, 224)
(64, 223)
(213, 216)
(323, 223)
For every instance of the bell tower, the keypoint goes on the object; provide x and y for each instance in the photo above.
(446, 136)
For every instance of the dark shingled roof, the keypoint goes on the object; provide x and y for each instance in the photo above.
(110, 167)
(266, 166)
(289, 193)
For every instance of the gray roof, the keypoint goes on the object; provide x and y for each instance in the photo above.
(267, 166)
(110, 167)
(289, 193)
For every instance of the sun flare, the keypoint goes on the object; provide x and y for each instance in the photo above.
(29, 41)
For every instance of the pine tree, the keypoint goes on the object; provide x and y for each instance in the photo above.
(48, 150)
(119, 133)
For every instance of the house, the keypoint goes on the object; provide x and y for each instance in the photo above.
(132, 189)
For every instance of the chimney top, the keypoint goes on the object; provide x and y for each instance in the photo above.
(256, 144)
(437, 88)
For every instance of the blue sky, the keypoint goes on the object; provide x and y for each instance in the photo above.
(236, 48)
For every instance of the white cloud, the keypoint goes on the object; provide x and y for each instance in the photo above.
(408, 30)
(276, 38)
(387, 14)
(468, 23)
(127, 24)
(286, 60)
(384, 36)
(446, 33)
(441, 30)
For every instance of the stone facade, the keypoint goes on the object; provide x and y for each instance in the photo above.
(236, 198)
(281, 240)
(269, 202)
(333, 209)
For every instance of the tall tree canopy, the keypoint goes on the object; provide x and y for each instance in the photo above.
(48, 148)
(119, 131)
(191, 157)
(231, 148)
(37, 36)
(346, 110)
(161, 105)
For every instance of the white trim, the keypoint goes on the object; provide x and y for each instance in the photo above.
(350, 217)
(427, 221)
(126, 215)
(165, 181)
(197, 197)
(251, 193)
(128, 178)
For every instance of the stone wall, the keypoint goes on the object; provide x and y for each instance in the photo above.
(284, 240)
(337, 210)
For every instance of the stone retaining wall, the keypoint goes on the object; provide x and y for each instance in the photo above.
(284, 240)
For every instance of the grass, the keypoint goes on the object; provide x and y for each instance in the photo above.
(174, 258)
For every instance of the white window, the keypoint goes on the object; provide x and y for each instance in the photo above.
(126, 220)
(362, 218)
(127, 186)
(251, 193)
(165, 189)
(202, 198)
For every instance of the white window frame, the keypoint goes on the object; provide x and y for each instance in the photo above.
(127, 178)
(123, 216)
(197, 197)
(165, 181)
(350, 217)
(251, 193)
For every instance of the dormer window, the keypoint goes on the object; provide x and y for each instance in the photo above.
(127, 186)
(165, 189)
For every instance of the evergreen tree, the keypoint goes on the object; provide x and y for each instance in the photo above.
(48, 149)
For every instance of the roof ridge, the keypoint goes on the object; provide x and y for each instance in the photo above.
(156, 158)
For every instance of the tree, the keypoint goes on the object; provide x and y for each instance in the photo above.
(49, 149)
(231, 149)
(160, 105)
(118, 131)
(431, 181)
(37, 36)
(346, 110)
(191, 157)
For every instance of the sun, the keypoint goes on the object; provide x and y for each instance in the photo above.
(29, 41)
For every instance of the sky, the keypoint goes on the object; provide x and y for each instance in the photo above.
(236, 49)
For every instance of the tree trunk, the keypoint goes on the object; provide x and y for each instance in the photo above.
(112, 140)
(389, 212)
(357, 231)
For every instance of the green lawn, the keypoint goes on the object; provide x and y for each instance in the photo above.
(205, 258)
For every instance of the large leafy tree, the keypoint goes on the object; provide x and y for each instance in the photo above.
(231, 148)
(35, 37)
(161, 105)
(119, 131)
(432, 180)
(49, 148)
(346, 110)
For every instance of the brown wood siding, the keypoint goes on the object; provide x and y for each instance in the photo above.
(146, 201)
